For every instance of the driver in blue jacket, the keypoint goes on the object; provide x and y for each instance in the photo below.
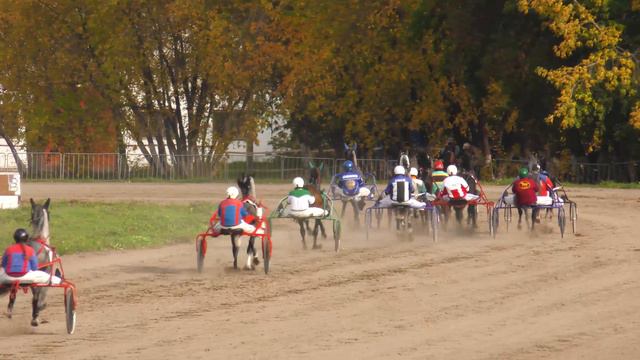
(351, 183)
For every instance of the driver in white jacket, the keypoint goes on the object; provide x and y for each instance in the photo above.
(455, 187)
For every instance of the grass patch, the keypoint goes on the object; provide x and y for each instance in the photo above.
(85, 226)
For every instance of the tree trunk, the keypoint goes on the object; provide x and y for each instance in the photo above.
(486, 150)
(249, 155)
(14, 152)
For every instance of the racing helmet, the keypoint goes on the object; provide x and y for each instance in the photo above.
(232, 192)
(413, 172)
(298, 182)
(452, 170)
(438, 165)
(523, 172)
(348, 165)
(399, 170)
(20, 235)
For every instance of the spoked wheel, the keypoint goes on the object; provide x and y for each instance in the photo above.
(70, 310)
(494, 221)
(201, 250)
(266, 253)
(561, 221)
(337, 230)
(573, 214)
(435, 221)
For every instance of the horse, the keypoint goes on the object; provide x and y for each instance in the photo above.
(313, 186)
(350, 154)
(39, 241)
(459, 205)
(472, 209)
(248, 189)
(525, 210)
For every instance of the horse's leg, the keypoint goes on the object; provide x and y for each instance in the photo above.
(251, 253)
(234, 250)
(356, 213)
(344, 207)
(315, 235)
(307, 226)
(534, 217)
(321, 226)
(302, 233)
(458, 211)
(12, 301)
(519, 218)
(35, 309)
(472, 215)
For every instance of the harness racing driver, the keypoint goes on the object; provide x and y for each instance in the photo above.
(351, 183)
(20, 263)
(232, 215)
(455, 187)
(399, 191)
(300, 201)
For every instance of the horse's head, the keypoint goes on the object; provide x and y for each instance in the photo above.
(247, 185)
(470, 177)
(350, 153)
(315, 173)
(40, 220)
(404, 160)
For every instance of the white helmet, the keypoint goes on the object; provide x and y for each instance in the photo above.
(452, 170)
(298, 182)
(232, 192)
(413, 172)
(399, 170)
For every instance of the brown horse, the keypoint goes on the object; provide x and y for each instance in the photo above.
(313, 186)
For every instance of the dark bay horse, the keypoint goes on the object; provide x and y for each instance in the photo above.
(313, 186)
(39, 241)
(459, 205)
(248, 189)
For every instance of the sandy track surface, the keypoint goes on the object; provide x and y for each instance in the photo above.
(515, 297)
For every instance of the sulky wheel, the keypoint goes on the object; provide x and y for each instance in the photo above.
(561, 221)
(201, 250)
(508, 216)
(435, 220)
(337, 230)
(573, 213)
(494, 222)
(70, 309)
(266, 253)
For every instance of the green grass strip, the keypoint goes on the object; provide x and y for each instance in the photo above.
(87, 226)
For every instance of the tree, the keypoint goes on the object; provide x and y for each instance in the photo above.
(598, 84)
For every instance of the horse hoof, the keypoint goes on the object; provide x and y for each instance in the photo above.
(35, 322)
(9, 315)
(317, 247)
(256, 261)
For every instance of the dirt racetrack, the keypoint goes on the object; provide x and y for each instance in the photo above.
(465, 297)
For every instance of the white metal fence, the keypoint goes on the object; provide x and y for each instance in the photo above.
(114, 167)
(263, 166)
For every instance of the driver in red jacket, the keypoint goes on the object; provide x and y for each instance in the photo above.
(525, 189)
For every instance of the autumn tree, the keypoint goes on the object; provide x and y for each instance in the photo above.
(598, 82)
